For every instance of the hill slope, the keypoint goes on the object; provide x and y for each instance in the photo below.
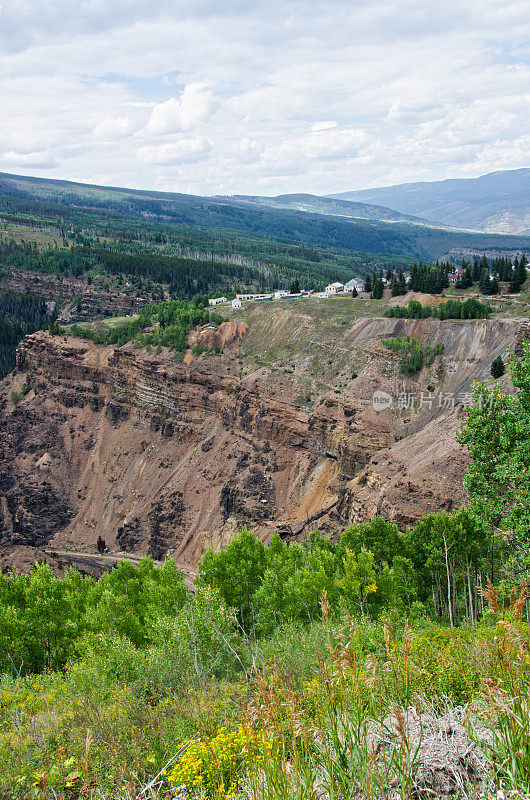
(277, 430)
(18, 193)
(498, 202)
(314, 204)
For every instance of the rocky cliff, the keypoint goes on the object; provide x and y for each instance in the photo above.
(160, 455)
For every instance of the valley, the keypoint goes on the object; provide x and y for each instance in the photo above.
(265, 419)
(272, 426)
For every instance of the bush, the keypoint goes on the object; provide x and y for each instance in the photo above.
(219, 766)
(497, 367)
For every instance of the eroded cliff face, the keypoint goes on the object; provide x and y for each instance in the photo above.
(157, 455)
(149, 453)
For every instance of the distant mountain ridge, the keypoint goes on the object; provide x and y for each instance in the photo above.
(314, 204)
(332, 225)
(498, 202)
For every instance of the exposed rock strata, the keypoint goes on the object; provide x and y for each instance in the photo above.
(157, 455)
(148, 452)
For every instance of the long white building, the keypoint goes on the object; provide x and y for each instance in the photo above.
(254, 297)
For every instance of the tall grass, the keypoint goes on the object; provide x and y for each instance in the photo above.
(507, 698)
(363, 711)
(356, 744)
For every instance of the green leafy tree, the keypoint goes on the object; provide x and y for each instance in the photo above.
(359, 580)
(236, 572)
(295, 580)
(450, 553)
(405, 580)
(48, 622)
(378, 536)
(201, 641)
(497, 435)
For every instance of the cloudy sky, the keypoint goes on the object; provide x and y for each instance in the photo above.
(263, 96)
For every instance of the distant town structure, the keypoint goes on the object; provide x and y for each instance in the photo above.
(355, 283)
(215, 301)
(283, 294)
(335, 288)
(256, 298)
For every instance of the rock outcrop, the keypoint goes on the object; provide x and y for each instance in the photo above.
(158, 455)
(150, 453)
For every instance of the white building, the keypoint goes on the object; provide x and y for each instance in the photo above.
(215, 301)
(279, 294)
(236, 303)
(335, 288)
(321, 295)
(254, 297)
(355, 283)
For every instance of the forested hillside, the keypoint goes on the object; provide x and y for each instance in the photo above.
(156, 245)
(283, 225)
(20, 314)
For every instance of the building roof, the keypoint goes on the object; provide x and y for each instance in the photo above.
(355, 282)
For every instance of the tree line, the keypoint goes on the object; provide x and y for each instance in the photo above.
(450, 309)
(489, 277)
(164, 324)
(20, 315)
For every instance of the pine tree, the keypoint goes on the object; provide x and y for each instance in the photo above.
(368, 283)
(413, 282)
(377, 288)
(514, 285)
(522, 274)
(484, 264)
(497, 368)
(506, 271)
(485, 283)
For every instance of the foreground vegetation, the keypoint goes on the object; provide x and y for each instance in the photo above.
(343, 707)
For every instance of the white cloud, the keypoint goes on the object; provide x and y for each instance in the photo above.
(37, 160)
(249, 96)
(181, 151)
(112, 128)
(182, 113)
(323, 125)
